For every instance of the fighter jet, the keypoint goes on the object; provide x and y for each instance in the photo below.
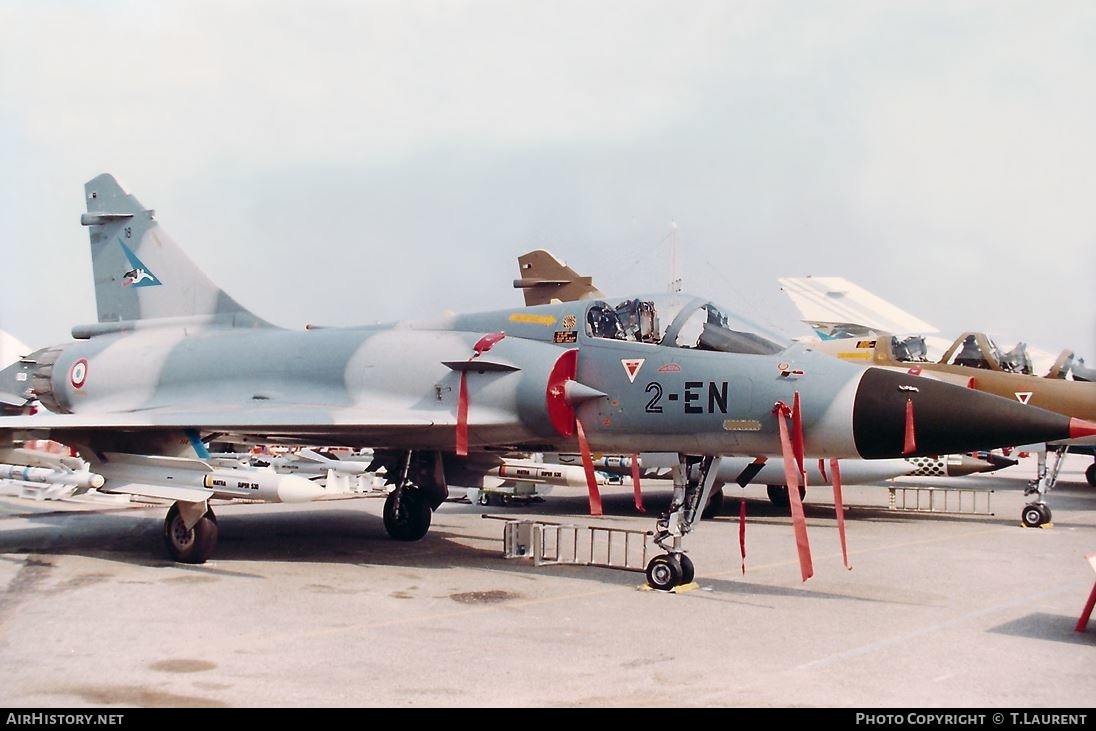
(844, 316)
(173, 361)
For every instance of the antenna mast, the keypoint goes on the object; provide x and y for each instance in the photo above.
(675, 278)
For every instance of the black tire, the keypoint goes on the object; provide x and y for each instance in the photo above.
(778, 495)
(663, 572)
(714, 508)
(1034, 515)
(190, 546)
(1090, 475)
(484, 498)
(411, 519)
(688, 571)
(1045, 510)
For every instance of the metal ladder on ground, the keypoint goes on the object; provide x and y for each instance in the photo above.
(568, 544)
(942, 500)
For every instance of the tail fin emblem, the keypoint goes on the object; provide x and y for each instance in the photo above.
(139, 275)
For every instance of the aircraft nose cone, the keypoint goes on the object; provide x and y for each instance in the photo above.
(946, 419)
(1080, 428)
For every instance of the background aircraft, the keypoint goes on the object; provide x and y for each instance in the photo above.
(16, 396)
(769, 472)
(545, 279)
(842, 313)
(174, 361)
(11, 347)
(747, 471)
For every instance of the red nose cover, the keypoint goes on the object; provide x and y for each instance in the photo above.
(560, 412)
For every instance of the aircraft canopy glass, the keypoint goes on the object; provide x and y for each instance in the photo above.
(680, 320)
(979, 351)
(910, 350)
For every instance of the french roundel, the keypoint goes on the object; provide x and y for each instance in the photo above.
(79, 373)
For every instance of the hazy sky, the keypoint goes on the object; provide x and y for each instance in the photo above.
(348, 162)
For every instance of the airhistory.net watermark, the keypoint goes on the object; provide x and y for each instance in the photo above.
(63, 719)
(1012, 718)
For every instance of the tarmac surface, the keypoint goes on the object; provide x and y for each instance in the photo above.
(314, 606)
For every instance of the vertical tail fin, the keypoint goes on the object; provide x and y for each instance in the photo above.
(837, 308)
(546, 279)
(140, 272)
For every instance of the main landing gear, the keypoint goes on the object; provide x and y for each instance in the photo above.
(190, 532)
(420, 488)
(406, 514)
(190, 528)
(692, 497)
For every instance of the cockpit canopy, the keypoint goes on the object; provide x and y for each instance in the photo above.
(976, 350)
(682, 321)
(910, 350)
(1068, 365)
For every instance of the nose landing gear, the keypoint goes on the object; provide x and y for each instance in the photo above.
(691, 496)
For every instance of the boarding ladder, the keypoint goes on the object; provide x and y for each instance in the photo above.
(568, 544)
(941, 500)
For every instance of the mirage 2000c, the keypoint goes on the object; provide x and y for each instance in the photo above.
(174, 361)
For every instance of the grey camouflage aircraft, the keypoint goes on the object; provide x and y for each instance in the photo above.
(173, 362)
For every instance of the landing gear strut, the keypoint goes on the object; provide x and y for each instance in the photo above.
(1037, 512)
(406, 511)
(691, 498)
(420, 487)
